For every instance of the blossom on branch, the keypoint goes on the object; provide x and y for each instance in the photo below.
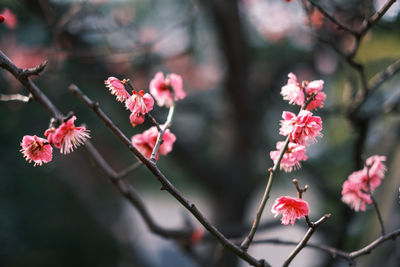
(117, 88)
(290, 208)
(302, 128)
(292, 156)
(166, 90)
(293, 91)
(36, 149)
(67, 136)
(146, 141)
(139, 104)
(357, 189)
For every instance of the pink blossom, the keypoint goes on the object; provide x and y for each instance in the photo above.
(162, 89)
(291, 158)
(117, 88)
(354, 192)
(301, 128)
(146, 141)
(10, 19)
(140, 104)
(36, 149)
(376, 167)
(290, 208)
(294, 93)
(67, 136)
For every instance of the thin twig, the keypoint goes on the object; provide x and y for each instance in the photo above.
(305, 239)
(161, 132)
(368, 23)
(340, 25)
(129, 169)
(166, 184)
(16, 97)
(299, 190)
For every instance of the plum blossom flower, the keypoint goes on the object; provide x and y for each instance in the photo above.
(9, 18)
(360, 184)
(139, 104)
(291, 158)
(290, 208)
(302, 128)
(353, 192)
(36, 149)
(67, 136)
(293, 91)
(164, 88)
(117, 88)
(146, 141)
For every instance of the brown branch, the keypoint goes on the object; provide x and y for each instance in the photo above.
(16, 97)
(299, 190)
(305, 239)
(129, 169)
(339, 25)
(166, 184)
(384, 76)
(128, 192)
(368, 23)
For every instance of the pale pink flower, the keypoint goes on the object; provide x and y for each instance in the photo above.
(291, 158)
(140, 104)
(10, 19)
(294, 93)
(146, 141)
(67, 136)
(163, 89)
(354, 192)
(290, 208)
(376, 166)
(36, 149)
(117, 88)
(301, 128)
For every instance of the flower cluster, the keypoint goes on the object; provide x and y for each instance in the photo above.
(165, 91)
(359, 186)
(66, 138)
(303, 128)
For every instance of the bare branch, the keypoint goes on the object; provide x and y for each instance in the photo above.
(161, 132)
(128, 192)
(166, 184)
(305, 239)
(368, 23)
(16, 97)
(129, 169)
(340, 25)
(383, 76)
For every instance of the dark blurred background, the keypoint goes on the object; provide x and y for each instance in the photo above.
(234, 56)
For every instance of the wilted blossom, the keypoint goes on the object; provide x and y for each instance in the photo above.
(290, 208)
(146, 141)
(117, 88)
(162, 88)
(302, 128)
(360, 184)
(139, 104)
(67, 136)
(293, 91)
(36, 149)
(291, 158)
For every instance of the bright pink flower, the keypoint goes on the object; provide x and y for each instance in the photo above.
(117, 88)
(290, 208)
(301, 128)
(9, 18)
(146, 141)
(293, 92)
(36, 149)
(354, 192)
(292, 157)
(67, 137)
(162, 89)
(140, 104)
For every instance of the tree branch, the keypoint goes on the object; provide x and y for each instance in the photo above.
(166, 184)
(16, 97)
